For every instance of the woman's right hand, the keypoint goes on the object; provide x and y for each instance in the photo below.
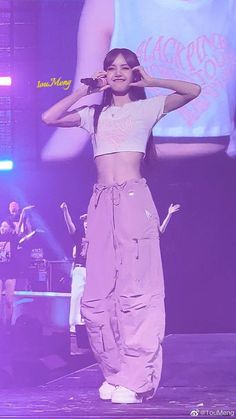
(100, 76)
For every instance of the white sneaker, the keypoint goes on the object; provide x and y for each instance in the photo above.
(124, 395)
(106, 390)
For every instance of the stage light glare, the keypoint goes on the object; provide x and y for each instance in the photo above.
(5, 81)
(6, 165)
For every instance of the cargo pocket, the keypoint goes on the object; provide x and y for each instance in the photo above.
(133, 310)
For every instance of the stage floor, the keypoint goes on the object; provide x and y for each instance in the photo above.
(199, 375)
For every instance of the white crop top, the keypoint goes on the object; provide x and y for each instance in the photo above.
(123, 128)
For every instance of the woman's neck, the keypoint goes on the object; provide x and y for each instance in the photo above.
(120, 100)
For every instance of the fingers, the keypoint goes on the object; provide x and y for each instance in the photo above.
(102, 82)
(137, 67)
(139, 83)
(141, 70)
(99, 74)
(175, 207)
(63, 205)
(136, 83)
(105, 87)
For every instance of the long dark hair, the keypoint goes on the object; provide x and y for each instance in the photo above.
(135, 93)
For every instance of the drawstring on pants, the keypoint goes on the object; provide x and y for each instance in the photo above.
(113, 189)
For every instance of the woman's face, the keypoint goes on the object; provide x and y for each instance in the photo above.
(119, 75)
(14, 207)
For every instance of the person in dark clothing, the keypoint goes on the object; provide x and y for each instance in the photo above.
(20, 218)
(8, 268)
(78, 275)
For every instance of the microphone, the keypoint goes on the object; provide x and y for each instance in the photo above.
(93, 83)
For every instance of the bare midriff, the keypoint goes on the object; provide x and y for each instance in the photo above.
(118, 167)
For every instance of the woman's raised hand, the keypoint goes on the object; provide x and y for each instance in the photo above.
(63, 206)
(145, 80)
(173, 208)
(101, 77)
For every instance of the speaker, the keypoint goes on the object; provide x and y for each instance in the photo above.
(38, 275)
(59, 272)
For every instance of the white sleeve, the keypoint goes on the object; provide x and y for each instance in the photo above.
(86, 115)
(154, 108)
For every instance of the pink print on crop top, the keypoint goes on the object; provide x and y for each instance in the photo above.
(125, 128)
(116, 130)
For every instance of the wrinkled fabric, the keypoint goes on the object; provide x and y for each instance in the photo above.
(123, 301)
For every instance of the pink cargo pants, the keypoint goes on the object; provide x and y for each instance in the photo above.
(123, 301)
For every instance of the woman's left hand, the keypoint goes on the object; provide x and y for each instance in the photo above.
(145, 81)
(173, 208)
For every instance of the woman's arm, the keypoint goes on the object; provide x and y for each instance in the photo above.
(171, 210)
(59, 115)
(69, 223)
(22, 218)
(184, 91)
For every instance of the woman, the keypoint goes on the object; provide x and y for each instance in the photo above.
(123, 302)
(78, 335)
(20, 218)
